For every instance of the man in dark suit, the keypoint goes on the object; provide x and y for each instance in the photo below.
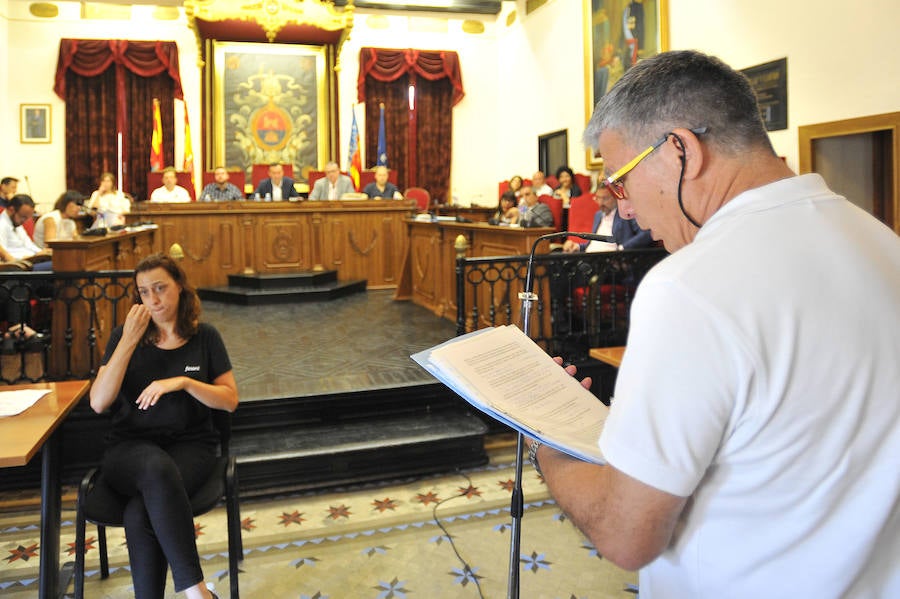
(277, 185)
(608, 221)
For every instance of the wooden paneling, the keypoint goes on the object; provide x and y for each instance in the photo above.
(429, 277)
(359, 239)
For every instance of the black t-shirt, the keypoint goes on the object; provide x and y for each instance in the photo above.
(176, 416)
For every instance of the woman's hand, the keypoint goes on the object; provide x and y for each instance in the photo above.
(149, 396)
(136, 323)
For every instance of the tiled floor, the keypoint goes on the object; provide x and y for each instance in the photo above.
(369, 542)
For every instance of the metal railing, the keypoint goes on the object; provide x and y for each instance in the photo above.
(584, 299)
(72, 314)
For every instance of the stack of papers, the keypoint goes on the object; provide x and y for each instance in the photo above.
(16, 402)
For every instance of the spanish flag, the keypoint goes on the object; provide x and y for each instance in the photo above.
(156, 141)
(355, 160)
(188, 147)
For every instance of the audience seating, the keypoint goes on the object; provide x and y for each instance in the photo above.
(261, 171)
(504, 185)
(556, 208)
(101, 505)
(420, 195)
(583, 182)
(236, 177)
(154, 180)
(581, 215)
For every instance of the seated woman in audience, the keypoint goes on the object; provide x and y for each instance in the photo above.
(515, 185)
(60, 223)
(507, 212)
(162, 374)
(567, 189)
(109, 203)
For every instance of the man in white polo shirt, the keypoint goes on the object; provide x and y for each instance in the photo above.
(170, 190)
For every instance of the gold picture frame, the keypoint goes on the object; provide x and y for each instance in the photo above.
(610, 48)
(270, 103)
(35, 125)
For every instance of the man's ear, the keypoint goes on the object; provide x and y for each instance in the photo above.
(692, 152)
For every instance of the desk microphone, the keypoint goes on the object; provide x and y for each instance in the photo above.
(589, 236)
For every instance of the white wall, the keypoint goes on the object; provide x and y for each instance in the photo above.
(842, 58)
(522, 80)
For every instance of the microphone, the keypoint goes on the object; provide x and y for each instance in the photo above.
(591, 236)
(28, 183)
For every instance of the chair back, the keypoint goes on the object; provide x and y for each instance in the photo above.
(222, 421)
(584, 182)
(552, 181)
(236, 177)
(556, 209)
(261, 171)
(420, 195)
(154, 180)
(581, 215)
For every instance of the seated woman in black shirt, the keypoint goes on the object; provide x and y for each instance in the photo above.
(162, 373)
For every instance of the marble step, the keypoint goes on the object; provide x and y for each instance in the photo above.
(248, 296)
(328, 455)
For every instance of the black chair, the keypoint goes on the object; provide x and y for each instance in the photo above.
(100, 504)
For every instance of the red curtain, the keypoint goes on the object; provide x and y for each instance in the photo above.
(387, 65)
(107, 86)
(418, 141)
(393, 94)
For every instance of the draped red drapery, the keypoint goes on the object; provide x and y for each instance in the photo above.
(95, 77)
(419, 140)
(387, 65)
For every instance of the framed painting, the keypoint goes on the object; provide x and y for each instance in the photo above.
(34, 123)
(617, 34)
(270, 103)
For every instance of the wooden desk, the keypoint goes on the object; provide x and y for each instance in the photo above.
(429, 267)
(608, 355)
(21, 436)
(361, 239)
(120, 250)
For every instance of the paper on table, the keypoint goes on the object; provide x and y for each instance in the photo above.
(16, 402)
(505, 374)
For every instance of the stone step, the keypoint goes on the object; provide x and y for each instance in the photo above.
(246, 296)
(310, 457)
(307, 278)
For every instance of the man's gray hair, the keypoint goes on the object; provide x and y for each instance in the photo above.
(685, 89)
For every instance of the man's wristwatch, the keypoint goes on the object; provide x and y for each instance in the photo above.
(532, 455)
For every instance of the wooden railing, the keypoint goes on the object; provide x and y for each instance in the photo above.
(584, 300)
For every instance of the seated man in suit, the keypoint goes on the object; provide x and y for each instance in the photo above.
(531, 212)
(220, 189)
(381, 188)
(608, 221)
(170, 190)
(277, 185)
(333, 185)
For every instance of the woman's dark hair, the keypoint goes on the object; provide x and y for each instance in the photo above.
(510, 196)
(514, 177)
(188, 302)
(70, 196)
(565, 169)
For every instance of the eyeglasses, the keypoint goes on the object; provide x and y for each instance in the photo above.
(614, 182)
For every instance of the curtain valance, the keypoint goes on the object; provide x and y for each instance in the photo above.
(90, 58)
(387, 65)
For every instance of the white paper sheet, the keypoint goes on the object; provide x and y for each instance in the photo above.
(16, 402)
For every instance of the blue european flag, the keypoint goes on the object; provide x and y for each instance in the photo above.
(382, 142)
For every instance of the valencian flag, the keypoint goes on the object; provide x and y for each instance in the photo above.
(188, 147)
(354, 158)
(382, 141)
(156, 141)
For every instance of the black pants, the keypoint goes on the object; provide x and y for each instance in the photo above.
(159, 525)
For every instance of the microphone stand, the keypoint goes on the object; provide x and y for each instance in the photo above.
(517, 504)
